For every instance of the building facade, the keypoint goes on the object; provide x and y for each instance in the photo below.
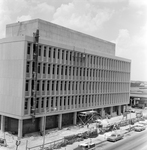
(76, 72)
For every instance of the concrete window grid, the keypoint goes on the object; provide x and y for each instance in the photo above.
(107, 75)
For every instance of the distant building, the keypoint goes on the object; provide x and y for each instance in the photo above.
(138, 94)
(76, 72)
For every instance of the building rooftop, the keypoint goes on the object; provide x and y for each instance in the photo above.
(59, 34)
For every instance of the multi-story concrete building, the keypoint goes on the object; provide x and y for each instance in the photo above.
(76, 72)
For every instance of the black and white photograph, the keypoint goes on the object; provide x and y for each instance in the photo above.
(73, 74)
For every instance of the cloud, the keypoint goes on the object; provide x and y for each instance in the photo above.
(22, 10)
(137, 3)
(42, 11)
(23, 18)
(134, 48)
(82, 16)
(107, 1)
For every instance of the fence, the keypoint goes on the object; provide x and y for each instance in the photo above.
(47, 146)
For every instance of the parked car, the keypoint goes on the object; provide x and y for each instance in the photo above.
(85, 146)
(115, 137)
(130, 110)
(139, 128)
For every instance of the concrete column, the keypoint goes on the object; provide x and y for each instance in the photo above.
(60, 121)
(50, 87)
(102, 112)
(73, 102)
(54, 87)
(119, 110)
(71, 87)
(111, 110)
(20, 127)
(67, 76)
(55, 69)
(52, 49)
(58, 104)
(75, 118)
(63, 84)
(42, 121)
(2, 123)
(60, 71)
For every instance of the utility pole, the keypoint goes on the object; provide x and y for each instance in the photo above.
(35, 71)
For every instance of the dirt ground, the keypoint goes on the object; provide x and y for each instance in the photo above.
(52, 135)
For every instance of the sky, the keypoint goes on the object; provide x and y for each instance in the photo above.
(123, 22)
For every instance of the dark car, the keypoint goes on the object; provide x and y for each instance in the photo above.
(115, 137)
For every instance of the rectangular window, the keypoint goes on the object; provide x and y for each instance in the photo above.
(29, 48)
(42, 102)
(53, 69)
(38, 84)
(65, 85)
(48, 68)
(58, 70)
(80, 71)
(44, 51)
(47, 102)
(54, 53)
(84, 72)
(66, 70)
(39, 67)
(60, 101)
(58, 54)
(73, 71)
(62, 70)
(39, 53)
(57, 82)
(61, 85)
(27, 85)
(74, 56)
(48, 85)
(66, 55)
(69, 85)
(49, 53)
(77, 71)
(26, 104)
(37, 103)
(43, 85)
(52, 99)
(43, 68)
(70, 56)
(69, 71)
(28, 67)
(72, 85)
(52, 85)
(63, 54)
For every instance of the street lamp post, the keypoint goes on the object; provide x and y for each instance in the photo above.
(130, 120)
(44, 126)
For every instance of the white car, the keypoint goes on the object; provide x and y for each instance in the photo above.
(115, 137)
(139, 127)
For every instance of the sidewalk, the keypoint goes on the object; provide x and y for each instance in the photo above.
(59, 134)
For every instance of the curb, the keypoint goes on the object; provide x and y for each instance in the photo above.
(101, 142)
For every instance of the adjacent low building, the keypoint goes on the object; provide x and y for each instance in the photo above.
(76, 72)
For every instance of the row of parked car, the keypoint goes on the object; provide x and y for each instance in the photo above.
(117, 136)
(138, 127)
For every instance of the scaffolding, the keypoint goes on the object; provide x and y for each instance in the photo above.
(87, 116)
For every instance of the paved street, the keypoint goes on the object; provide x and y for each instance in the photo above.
(132, 141)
